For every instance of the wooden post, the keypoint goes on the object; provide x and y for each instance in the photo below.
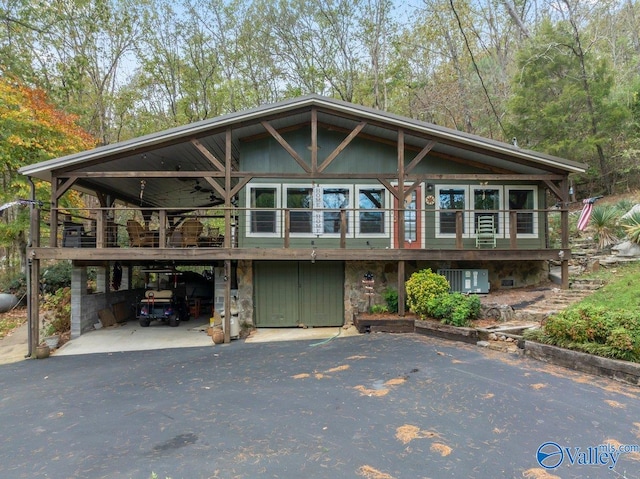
(227, 301)
(564, 221)
(513, 229)
(287, 228)
(53, 215)
(162, 233)
(343, 229)
(401, 193)
(34, 306)
(459, 229)
(33, 299)
(402, 294)
(101, 221)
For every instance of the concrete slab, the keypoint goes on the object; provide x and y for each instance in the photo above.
(265, 335)
(131, 336)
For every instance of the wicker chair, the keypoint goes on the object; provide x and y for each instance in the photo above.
(191, 230)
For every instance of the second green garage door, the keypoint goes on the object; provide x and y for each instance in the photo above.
(290, 294)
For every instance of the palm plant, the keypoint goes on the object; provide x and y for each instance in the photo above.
(604, 219)
(631, 225)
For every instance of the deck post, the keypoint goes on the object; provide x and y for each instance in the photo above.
(401, 290)
(34, 306)
(227, 301)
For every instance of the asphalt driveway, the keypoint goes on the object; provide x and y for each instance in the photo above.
(377, 406)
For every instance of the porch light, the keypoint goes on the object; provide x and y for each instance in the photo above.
(429, 187)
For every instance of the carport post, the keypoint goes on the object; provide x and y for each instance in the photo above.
(227, 301)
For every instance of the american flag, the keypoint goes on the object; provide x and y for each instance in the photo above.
(586, 212)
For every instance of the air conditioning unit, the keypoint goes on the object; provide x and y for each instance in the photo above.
(467, 280)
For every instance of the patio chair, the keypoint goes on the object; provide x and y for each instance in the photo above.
(138, 235)
(485, 232)
(191, 230)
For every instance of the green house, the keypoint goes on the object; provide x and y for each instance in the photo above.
(308, 209)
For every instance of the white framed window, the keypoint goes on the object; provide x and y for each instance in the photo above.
(373, 215)
(315, 210)
(449, 199)
(487, 200)
(524, 200)
(334, 199)
(298, 199)
(263, 213)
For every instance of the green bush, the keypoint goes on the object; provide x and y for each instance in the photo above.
(59, 305)
(423, 286)
(621, 339)
(604, 220)
(631, 227)
(566, 327)
(56, 276)
(594, 330)
(390, 297)
(16, 286)
(455, 309)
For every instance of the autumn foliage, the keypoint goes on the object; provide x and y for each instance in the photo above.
(31, 130)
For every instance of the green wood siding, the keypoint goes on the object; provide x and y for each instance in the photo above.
(289, 294)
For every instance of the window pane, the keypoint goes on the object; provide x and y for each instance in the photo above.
(451, 199)
(410, 218)
(371, 221)
(522, 200)
(334, 199)
(263, 221)
(299, 198)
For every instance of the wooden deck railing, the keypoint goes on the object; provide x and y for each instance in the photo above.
(292, 228)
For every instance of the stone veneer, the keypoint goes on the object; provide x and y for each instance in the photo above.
(385, 275)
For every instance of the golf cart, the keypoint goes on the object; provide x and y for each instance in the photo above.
(163, 304)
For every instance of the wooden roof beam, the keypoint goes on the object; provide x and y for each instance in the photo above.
(286, 146)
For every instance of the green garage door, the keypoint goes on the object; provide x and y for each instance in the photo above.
(289, 294)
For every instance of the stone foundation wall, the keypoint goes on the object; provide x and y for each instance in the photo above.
(244, 274)
(385, 275)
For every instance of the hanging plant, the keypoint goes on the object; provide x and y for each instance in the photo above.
(116, 280)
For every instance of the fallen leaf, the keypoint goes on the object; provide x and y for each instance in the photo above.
(371, 473)
(408, 433)
(615, 404)
(395, 381)
(441, 449)
(338, 368)
(538, 473)
(371, 392)
(300, 376)
(538, 386)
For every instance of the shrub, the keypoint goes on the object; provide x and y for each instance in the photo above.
(59, 305)
(631, 225)
(567, 326)
(621, 340)
(604, 219)
(56, 276)
(16, 286)
(390, 297)
(423, 286)
(455, 309)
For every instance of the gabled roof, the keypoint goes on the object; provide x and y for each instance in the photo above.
(173, 149)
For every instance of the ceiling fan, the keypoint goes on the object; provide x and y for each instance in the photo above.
(198, 188)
